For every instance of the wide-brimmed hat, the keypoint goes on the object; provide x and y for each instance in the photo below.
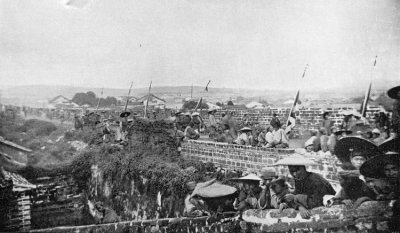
(245, 129)
(249, 177)
(347, 113)
(187, 114)
(125, 114)
(390, 145)
(195, 114)
(339, 132)
(309, 142)
(212, 110)
(213, 189)
(394, 93)
(350, 146)
(268, 173)
(374, 167)
(295, 160)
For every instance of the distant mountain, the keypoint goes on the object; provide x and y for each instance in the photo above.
(39, 94)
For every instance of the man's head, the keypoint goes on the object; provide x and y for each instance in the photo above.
(298, 172)
(376, 133)
(279, 185)
(391, 170)
(268, 174)
(325, 115)
(357, 159)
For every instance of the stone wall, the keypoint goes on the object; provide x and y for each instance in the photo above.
(237, 157)
(56, 202)
(371, 216)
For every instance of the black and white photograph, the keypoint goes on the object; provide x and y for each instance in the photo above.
(199, 116)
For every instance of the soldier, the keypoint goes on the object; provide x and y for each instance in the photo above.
(124, 124)
(310, 188)
(213, 123)
(394, 93)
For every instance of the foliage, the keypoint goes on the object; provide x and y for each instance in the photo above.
(191, 104)
(80, 135)
(90, 99)
(38, 127)
(81, 168)
(219, 104)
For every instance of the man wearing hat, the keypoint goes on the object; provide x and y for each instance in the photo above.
(354, 151)
(244, 136)
(326, 123)
(387, 168)
(279, 137)
(394, 93)
(194, 207)
(212, 122)
(310, 188)
(124, 124)
(267, 175)
(376, 136)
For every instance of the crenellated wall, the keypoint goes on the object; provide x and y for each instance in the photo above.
(307, 118)
(371, 216)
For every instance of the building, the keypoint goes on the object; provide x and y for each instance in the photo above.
(15, 202)
(154, 101)
(61, 102)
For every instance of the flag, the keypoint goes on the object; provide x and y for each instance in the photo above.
(206, 89)
(375, 60)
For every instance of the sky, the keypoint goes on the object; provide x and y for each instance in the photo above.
(256, 44)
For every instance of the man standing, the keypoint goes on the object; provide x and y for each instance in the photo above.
(212, 122)
(310, 188)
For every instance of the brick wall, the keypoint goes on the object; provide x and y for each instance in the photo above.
(236, 157)
(307, 118)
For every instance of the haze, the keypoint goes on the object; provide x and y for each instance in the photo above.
(254, 44)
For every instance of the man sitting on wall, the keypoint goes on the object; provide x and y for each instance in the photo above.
(279, 137)
(310, 188)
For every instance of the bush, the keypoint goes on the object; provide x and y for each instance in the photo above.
(38, 127)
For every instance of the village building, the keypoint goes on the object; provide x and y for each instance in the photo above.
(153, 101)
(15, 190)
(61, 102)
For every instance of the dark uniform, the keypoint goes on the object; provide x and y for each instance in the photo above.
(311, 190)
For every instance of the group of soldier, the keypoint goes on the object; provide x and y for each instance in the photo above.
(369, 171)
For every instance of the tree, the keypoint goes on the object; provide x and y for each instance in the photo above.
(191, 104)
(230, 103)
(219, 104)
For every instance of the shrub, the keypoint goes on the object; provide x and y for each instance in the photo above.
(38, 127)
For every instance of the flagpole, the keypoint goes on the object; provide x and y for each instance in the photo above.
(201, 97)
(297, 97)
(127, 98)
(368, 92)
(147, 102)
(98, 103)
